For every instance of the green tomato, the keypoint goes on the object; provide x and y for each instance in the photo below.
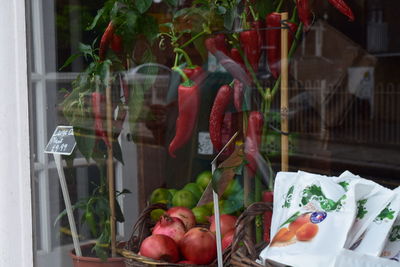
(184, 198)
(160, 195)
(195, 189)
(201, 213)
(204, 178)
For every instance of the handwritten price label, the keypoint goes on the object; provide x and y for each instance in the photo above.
(62, 141)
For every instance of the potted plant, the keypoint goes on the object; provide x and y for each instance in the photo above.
(96, 107)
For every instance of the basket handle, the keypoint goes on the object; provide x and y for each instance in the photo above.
(241, 235)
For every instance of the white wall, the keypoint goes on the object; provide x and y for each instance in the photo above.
(15, 189)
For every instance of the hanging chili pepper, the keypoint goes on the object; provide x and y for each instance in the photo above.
(229, 127)
(220, 43)
(304, 11)
(188, 106)
(250, 43)
(98, 100)
(211, 45)
(273, 41)
(221, 102)
(194, 73)
(106, 40)
(253, 141)
(343, 8)
(235, 55)
(237, 94)
(258, 25)
(116, 44)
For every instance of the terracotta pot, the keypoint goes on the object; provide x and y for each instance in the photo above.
(83, 261)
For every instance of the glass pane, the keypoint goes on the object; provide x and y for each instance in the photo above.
(160, 93)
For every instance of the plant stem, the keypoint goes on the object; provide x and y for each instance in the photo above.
(185, 55)
(257, 198)
(183, 75)
(194, 38)
(278, 8)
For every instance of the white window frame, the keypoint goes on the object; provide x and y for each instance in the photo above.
(16, 244)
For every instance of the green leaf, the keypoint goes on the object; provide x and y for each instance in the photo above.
(70, 60)
(78, 205)
(217, 175)
(143, 5)
(149, 28)
(229, 18)
(100, 13)
(86, 50)
(291, 219)
(171, 2)
(182, 12)
(221, 10)
(264, 7)
(85, 140)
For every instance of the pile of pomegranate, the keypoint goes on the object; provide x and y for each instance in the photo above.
(175, 238)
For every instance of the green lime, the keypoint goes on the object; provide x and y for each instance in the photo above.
(172, 191)
(156, 214)
(201, 213)
(210, 206)
(184, 198)
(232, 188)
(230, 206)
(195, 189)
(160, 195)
(203, 179)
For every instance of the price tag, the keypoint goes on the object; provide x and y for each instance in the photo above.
(62, 141)
(204, 144)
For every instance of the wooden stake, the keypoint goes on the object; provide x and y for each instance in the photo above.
(284, 94)
(110, 170)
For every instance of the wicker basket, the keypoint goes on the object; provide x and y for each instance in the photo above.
(246, 254)
(141, 230)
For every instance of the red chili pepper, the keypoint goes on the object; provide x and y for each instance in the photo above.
(258, 25)
(106, 40)
(211, 45)
(235, 55)
(343, 8)
(195, 73)
(116, 44)
(221, 102)
(220, 43)
(303, 8)
(237, 94)
(250, 42)
(97, 100)
(273, 40)
(229, 127)
(253, 141)
(188, 106)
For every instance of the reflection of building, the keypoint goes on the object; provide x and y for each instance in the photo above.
(341, 101)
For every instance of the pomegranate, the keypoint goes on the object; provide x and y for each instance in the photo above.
(185, 214)
(227, 223)
(198, 245)
(170, 226)
(160, 247)
(227, 240)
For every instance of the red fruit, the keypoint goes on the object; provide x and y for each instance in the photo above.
(227, 240)
(170, 226)
(160, 247)
(227, 223)
(185, 214)
(199, 246)
(116, 44)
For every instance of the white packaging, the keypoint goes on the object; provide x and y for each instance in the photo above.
(283, 194)
(349, 258)
(371, 199)
(373, 240)
(314, 228)
(392, 245)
